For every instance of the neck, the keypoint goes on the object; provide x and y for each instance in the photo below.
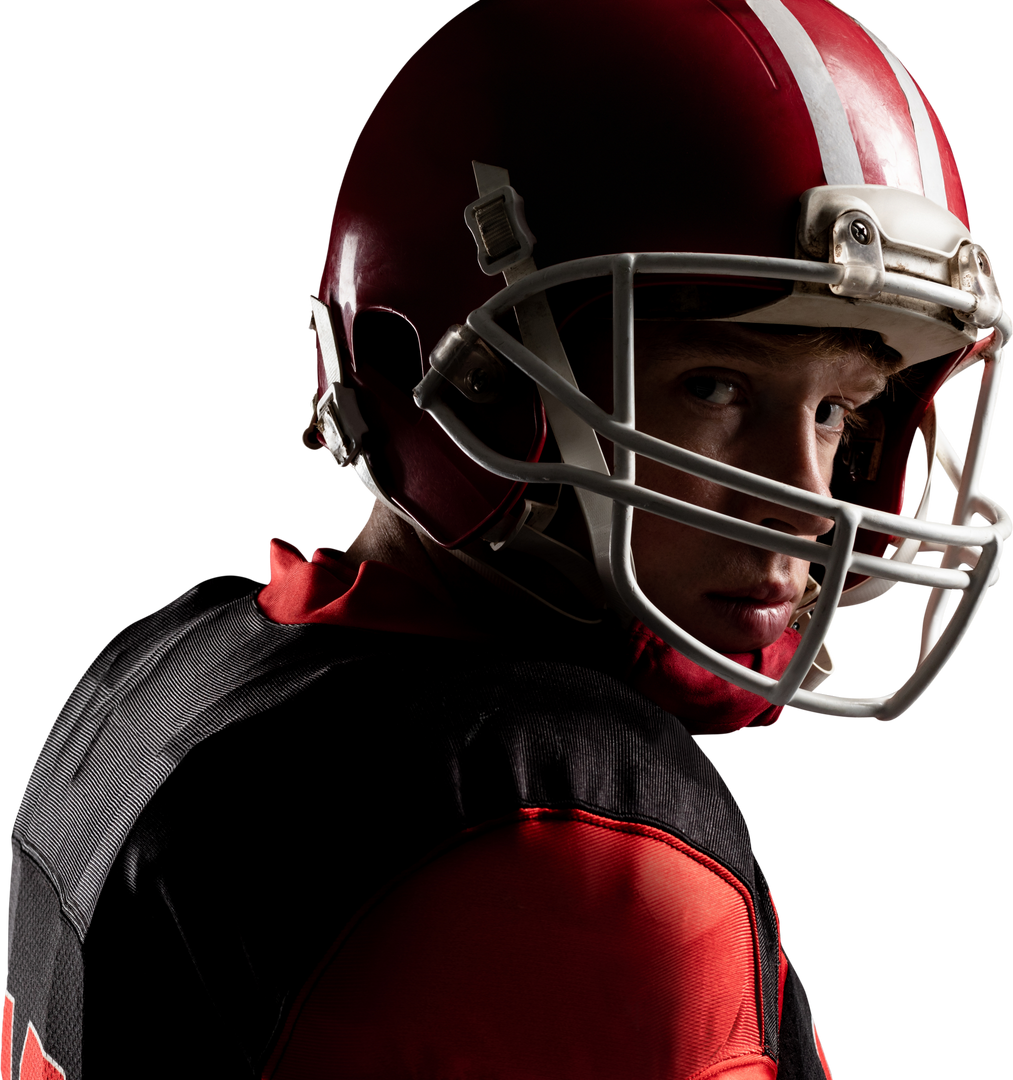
(495, 605)
(389, 539)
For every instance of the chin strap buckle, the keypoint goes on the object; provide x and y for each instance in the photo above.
(337, 420)
(496, 220)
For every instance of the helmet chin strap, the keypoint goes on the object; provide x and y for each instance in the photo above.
(578, 444)
(822, 666)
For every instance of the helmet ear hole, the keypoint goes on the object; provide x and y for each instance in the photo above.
(388, 343)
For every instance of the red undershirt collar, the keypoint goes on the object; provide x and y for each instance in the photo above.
(376, 597)
(381, 597)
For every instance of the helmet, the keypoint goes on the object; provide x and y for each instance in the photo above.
(758, 161)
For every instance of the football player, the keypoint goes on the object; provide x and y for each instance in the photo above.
(448, 771)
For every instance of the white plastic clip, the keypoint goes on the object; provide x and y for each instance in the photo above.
(339, 420)
(502, 236)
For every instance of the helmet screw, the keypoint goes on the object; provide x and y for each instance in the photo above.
(861, 232)
(477, 380)
(983, 264)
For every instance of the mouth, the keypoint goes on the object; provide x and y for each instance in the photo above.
(759, 614)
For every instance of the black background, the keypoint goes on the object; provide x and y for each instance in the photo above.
(174, 183)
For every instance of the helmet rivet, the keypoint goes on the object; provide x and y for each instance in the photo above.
(861, 232)
(477, 380)
(983, 264)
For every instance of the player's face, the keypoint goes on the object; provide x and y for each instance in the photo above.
(756, 401)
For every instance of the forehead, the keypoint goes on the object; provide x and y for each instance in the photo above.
(720, 344)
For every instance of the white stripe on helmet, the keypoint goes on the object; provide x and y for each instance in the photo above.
(931, 163)
(830, 122)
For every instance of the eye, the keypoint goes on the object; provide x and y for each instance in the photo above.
(831, 414)
(711, 389)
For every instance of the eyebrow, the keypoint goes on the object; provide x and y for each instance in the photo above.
(871, 378)
(875, 384)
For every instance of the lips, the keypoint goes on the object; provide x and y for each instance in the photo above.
(760, 614)
(765, 592)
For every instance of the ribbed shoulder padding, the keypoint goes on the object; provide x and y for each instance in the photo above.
(161, 687)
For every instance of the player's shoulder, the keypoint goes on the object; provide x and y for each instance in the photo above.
(207, 635)
(160, 688)
(210, 613)
(562, 732)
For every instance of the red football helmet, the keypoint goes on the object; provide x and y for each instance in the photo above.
(762, 161)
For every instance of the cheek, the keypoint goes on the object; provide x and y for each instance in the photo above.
(825, 456)
(669, 554)
(684, 486)
(672, 561)
(680, 551)
(718, 437)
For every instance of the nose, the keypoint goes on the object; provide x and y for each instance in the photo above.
(791, 454)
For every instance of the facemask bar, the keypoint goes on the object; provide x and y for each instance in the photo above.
(838, 558)
(966, 477)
